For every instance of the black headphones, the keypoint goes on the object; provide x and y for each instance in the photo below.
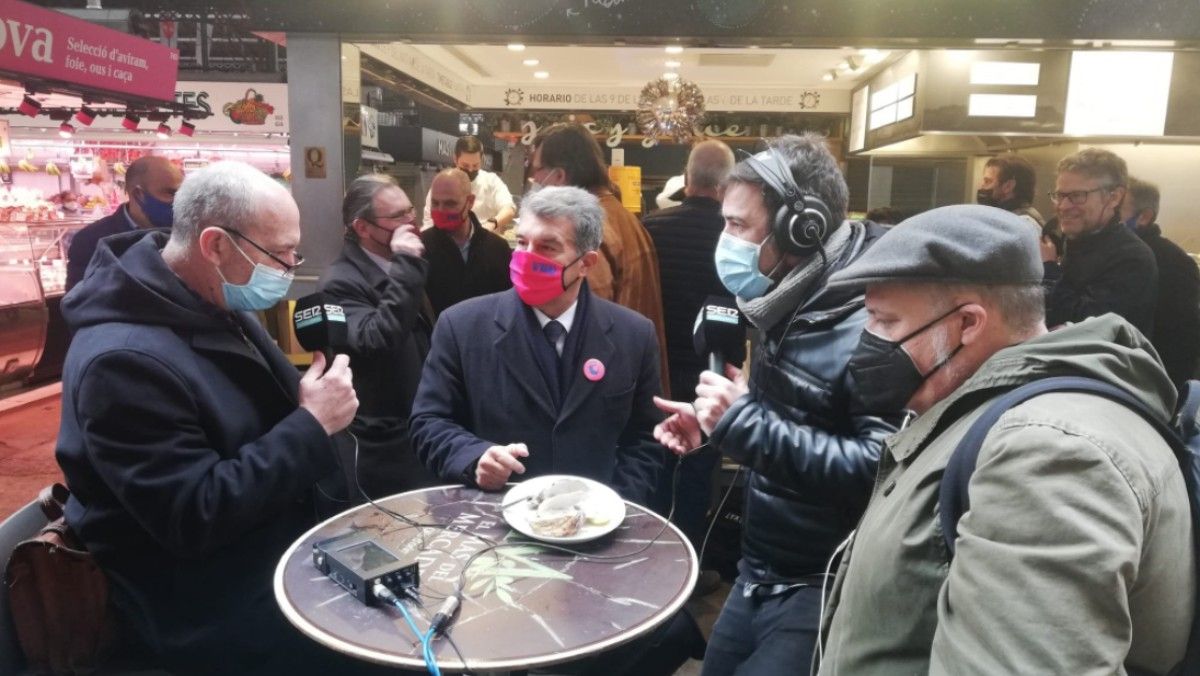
(803, 221)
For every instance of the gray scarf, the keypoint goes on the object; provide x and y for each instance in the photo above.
(796, 287)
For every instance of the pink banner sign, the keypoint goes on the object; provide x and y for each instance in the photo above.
(50, 45)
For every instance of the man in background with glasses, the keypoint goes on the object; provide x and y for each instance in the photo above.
(379, 280)
(1105, 267)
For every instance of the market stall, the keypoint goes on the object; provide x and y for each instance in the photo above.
(63, 69)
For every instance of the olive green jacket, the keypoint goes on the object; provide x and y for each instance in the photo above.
(1076, 556)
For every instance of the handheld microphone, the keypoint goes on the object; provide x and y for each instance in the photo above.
(320, 325)
(720, 333)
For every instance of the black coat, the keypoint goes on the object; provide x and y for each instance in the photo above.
(83, 243)
(389, 325)
(452, 280)
(1177, 313)
(1109, 270)
(685, 238)
(483, 386)
(189, 461)
(801, 431)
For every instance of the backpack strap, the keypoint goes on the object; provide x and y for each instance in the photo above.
(953, 499)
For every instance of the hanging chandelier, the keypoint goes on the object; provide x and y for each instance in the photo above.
(670, 109)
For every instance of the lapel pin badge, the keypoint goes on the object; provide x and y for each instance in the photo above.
(593, 370)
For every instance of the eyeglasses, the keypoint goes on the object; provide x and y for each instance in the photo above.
(287, 267)
(404, 215)
(1076, 197)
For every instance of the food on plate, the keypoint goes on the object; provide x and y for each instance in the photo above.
(557, 518)
(559, 487)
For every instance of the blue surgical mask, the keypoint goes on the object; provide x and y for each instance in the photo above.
(160, 214)
(1131, 222)
(266, 287)
(737, 266)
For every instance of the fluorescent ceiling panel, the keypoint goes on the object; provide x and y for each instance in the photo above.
(1118, 93)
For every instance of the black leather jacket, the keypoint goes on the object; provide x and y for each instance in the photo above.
(811, 451)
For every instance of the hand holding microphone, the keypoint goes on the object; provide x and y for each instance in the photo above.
(327, 388)
(328, 394)
(719, 334)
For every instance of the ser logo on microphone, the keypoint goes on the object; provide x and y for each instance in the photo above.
(313, 315)
(718, 313)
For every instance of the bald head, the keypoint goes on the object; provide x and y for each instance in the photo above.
(450, 202)
(708, 165)
(151, 183)
(453, 179)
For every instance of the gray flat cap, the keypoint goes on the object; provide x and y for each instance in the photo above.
(965, 243)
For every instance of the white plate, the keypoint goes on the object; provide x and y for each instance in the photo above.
(601, 501)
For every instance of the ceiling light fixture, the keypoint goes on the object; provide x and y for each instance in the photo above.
(86, 116)
(671, 63)
(65, 130)
(30, 106)
(530, 62)
(830, 76)
(541, 74)
(670, 75)
(674, 49)
(131, 121)
(187, 128)
(516, 47)
(163, 131)
(849, 64)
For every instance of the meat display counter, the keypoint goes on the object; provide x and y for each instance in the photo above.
(33, 275)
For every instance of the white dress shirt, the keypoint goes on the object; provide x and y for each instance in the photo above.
(491, 196)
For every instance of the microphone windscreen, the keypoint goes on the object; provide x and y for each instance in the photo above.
(719, 329)
(320, 325)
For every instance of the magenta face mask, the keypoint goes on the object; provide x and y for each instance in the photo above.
(538, 279)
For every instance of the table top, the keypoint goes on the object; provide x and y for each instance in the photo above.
(523, 606)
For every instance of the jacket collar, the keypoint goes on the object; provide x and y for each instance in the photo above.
(358, 257)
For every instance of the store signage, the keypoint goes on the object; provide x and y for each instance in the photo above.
(409, 60)
(237, 106)
(50, 45)
(613, 136)
(727, 99)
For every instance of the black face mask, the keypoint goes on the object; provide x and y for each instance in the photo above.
(886, 375)
(986, 197)
(472, 174)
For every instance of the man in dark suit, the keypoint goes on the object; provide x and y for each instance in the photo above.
(545, 378)
(465, 259)
(190, 444)
(151, 183)
(1177, 307)
(379, 280)
(685, 238)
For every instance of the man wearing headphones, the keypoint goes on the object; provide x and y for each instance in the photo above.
(797, 423)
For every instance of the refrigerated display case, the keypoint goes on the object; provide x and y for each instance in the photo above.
(33, 269)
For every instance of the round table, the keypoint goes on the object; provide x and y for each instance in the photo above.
(523, 607)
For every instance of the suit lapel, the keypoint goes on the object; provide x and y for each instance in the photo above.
(596, 345)
(514, 352)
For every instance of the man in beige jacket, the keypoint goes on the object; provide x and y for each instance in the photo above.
(1076, 555)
